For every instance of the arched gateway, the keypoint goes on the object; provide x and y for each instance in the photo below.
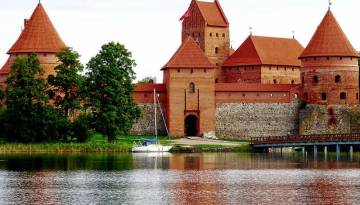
(191, 125)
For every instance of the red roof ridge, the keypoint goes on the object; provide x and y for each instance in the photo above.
(39, 35)
(329, 40)
(189, 55)
(206, 17)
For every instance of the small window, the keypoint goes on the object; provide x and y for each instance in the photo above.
(217, 35)
(216, 80)
(343, 96)
(275, 81)
(216, 50)
(145, 95)
(315, 79)
(258, 94)
(327, 58)
(340, 58)
(323, 96)
(243, 95)
(45, 54)
(191, 88)
(338, 79)
(192, 71)
(303, 80)
(178, 70)
(205, 70)
(292, 69)
(210, 34)
(293, 82)
(223, 35)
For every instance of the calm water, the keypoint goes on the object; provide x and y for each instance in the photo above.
(224, 178)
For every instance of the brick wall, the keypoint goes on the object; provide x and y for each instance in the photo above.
(245, 120)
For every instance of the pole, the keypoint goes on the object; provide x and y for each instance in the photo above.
(325, 152)
(155, 123)
(351, 153)
(337, 152)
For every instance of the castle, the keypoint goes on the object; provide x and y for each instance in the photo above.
(210, 89)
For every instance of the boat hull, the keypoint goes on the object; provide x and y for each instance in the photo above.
(151, 148)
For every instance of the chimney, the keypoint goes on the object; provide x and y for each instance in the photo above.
(25, 22)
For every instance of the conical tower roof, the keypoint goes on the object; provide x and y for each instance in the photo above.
(189, 55)
(329, 40)
(39, 35)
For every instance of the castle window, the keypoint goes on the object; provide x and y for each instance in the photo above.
(243, 95)
(323, 96)
(217, 35)
(342, 96)
(293, 82)
(216, 80)
(338, 79)
(223, 35)
(340, 58)
(45, 54)
(205, 70)
(327, 58)
(216, 50)
(303, 80)
(178, 70)
(192, 71)
(191, 88)
(315, 79)
(210, 34)
(145, 95)
(292, 69)
(275, 81)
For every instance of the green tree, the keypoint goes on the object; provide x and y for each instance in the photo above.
(66, 86)
(110, 88)
(28, 118)
(147, 80)
(2, 96)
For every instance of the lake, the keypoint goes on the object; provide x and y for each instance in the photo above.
(208, 178)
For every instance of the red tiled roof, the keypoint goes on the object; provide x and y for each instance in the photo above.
(213, 13)
(6, 67)
(253, 87)
(260, 50)
(189, 55)
(149, 87)
(329, 40)
(39, 35)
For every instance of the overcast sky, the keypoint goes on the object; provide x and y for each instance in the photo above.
(151, 30)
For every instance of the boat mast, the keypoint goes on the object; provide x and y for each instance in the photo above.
(156, 135)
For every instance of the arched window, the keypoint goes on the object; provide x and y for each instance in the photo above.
(323, 96)
(342, 96)
(338, 79)
(315, 79)
(191, 88)
(210, 34)
(216, 50)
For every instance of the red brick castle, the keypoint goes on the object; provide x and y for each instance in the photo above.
(208, 88)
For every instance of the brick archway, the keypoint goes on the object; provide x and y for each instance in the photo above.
(191, 125)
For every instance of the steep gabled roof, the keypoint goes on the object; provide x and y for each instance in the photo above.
(329, 40)
(189, 55)
(39, 35)
(212, 13)
(260, 50)
(6, 67)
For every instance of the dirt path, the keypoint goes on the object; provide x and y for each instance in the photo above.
(201, 141)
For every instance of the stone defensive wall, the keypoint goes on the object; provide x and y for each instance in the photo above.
(256, 110)
(144, 97)
(329, 119)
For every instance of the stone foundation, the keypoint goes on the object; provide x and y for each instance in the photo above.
(244, 121)
(145, 125)
(322, 119)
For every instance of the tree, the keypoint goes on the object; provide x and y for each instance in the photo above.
(110, 88)
(148, 80)
(28, 118)
(67, 84)
(2, 96)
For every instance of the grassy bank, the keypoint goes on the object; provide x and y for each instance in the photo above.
(98, 143)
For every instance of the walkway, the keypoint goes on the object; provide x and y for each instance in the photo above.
(202, 141)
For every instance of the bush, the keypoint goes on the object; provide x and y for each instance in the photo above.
(80, 128)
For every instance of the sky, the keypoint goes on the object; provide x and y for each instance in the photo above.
(151, 29)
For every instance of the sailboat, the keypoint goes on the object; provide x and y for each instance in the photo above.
(153, 145)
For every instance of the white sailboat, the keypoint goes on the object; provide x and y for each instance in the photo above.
(153, 145)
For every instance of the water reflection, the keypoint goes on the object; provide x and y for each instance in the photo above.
(220, 178)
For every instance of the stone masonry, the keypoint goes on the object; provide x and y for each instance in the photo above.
(243, 121)
(145, 125)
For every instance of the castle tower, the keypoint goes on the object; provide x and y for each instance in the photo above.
(330, 72)
(38, 36)
(189, 77)
(209, 27)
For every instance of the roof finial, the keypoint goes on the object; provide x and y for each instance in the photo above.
(293, 32)
(251, 30)
(330, 4)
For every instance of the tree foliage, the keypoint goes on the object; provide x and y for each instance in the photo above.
(110, 87)
(66, 85)
(148, 80)
(28, 117)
